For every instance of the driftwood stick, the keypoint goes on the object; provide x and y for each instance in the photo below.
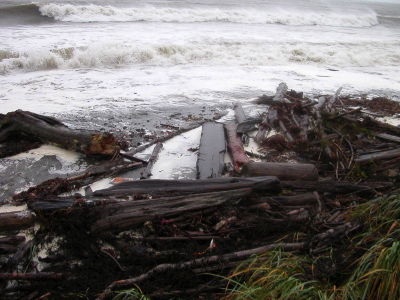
(154, 155)
(199, 262)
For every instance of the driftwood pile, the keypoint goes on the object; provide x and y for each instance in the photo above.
(316, 158)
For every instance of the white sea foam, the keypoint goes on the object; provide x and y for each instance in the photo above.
(96, 13)
(368, 53)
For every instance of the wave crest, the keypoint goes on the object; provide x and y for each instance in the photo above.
(207, 53)
(96, 13)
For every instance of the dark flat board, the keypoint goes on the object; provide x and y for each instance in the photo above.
(210, 161)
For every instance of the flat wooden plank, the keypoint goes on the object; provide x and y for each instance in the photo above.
(210, 161)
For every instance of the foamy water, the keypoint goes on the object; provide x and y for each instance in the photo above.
(83, 56)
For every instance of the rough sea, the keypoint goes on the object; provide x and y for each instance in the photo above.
(90, 56)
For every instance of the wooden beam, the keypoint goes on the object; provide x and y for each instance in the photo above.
(210, 161)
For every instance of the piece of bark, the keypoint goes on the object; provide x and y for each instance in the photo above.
(125, 215)
(235, 147)
(378, 156)
(210, 161)
(176, 187)
(284, 171)
(16, 220)
(51, 131)
(154, 155)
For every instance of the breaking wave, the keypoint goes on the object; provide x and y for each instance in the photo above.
(211, 53)
(97, 13)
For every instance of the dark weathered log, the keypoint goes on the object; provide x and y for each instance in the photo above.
(16, 220)
(154, 155)
(284, 171)
(378, 156)
(388, 137)
(12, 240)
(210, 161)
(164, 187)
(198, 263)
(10, 244)
(299, 199)
(331, 186)
(31, 276)
(22, 252)
(49, 130)
(235, 146)
(378, 125)
(124, 215)
(53, 203)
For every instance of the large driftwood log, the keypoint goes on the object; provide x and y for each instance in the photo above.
(124, 215)
(235, 147)
(284, 171)
(16, 220)
(210, 161)
(176, 187)
(51, 131)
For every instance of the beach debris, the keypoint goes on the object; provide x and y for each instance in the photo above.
(318, 159)
(35, 128)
